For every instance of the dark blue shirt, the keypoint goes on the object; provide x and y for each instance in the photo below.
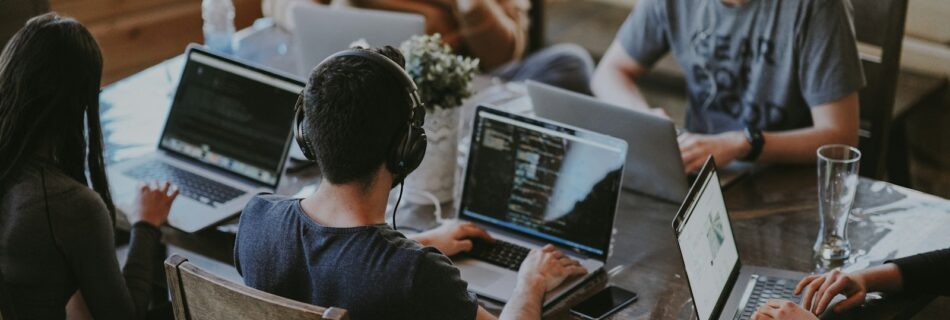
(372, 271)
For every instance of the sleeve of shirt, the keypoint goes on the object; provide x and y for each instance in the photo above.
(438, 291)
(86, 236)
(829, 65)
(643, 35)
(926, 272)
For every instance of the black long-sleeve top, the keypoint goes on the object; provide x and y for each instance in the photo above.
(46, 256)
(926, 273)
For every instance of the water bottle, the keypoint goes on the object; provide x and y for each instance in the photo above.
(218, 27)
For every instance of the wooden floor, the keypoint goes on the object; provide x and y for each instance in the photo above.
(593, 23)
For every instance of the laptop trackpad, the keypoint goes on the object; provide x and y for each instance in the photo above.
(481, 275)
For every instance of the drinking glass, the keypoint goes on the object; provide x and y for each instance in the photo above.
(837, 184)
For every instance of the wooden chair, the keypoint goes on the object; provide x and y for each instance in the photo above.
(879, 27)
(197, 295)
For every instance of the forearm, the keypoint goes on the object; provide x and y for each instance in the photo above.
(493, 32)
(801, 145)
(525, 303)
(882, 278)
(140, 266)
(616, 88)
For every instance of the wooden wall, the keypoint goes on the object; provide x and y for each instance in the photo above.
(136, 34)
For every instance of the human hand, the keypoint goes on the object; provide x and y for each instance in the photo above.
(817, 291)
(453, 237)
(725, 147)
(782, 310)
(154, 201)
(546, 268)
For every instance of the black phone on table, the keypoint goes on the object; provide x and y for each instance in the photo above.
(605, 303)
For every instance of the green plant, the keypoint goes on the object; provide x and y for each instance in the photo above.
(444, 78)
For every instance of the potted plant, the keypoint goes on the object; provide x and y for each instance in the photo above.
(444, 81)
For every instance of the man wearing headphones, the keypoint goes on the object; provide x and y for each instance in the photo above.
(361, 120)
(767, 80)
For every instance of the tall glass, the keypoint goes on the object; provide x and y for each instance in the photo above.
(837, 184)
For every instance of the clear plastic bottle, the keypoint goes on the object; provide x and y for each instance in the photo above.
(218, 27)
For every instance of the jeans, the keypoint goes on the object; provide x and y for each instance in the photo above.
(567, 66)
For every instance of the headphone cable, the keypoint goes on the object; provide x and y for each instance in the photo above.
(396, 208)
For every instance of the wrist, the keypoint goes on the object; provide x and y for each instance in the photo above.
(530, 285)
(741, 144)
(755, 142)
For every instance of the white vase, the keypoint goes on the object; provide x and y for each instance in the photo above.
(436, 175)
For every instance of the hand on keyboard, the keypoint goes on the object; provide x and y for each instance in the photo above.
(776, 309)
(546, 268)
(453, 237)
(154, 202)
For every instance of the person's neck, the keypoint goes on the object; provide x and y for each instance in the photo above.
(348, 205)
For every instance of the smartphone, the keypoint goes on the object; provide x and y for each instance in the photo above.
(604, 303)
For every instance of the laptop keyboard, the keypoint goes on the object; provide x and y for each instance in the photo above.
(501, 253)
(767, 288)
(192, 186)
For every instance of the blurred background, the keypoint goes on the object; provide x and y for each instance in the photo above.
(136, 34)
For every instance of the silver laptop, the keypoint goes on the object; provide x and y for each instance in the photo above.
(654, 165)
(224, 141)
(529, 183)
(321, 31)
(721, 286)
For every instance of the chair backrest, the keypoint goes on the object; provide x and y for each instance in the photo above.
(536, 26)
(879, 27)
(199, 295)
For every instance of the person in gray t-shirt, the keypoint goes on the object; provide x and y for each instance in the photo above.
(767, 80)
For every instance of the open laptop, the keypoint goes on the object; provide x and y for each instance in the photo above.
(321, 31)
(721, 286)
(531, 182)
(654, 163)
(224, 141)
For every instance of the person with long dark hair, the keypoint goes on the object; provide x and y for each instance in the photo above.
(56, 214)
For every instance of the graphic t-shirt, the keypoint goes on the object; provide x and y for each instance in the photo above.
(759, 65)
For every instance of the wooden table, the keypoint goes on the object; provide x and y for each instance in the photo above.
(774, 214)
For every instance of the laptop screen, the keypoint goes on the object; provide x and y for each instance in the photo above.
(232, 116)
(706, 243)
(555, 184)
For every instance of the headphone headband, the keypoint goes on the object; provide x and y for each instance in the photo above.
(380, 60)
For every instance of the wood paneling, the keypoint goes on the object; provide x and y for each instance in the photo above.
(135, 34)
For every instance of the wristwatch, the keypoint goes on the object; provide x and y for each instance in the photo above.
(756, 140)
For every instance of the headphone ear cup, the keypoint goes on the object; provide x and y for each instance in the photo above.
(407, 155)
(299, 134)
(415, 149)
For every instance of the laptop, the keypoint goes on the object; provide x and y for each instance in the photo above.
(533, 182)
(321, 31)
(721, 286)
(654, 165)
(225, 140)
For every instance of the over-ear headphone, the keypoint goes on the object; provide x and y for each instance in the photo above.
(410, 143)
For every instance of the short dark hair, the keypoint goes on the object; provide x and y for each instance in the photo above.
(355, 110)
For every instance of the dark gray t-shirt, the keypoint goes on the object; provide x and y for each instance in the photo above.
(373, 272)
(771, 60)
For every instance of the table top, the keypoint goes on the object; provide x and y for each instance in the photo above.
(773, 209)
